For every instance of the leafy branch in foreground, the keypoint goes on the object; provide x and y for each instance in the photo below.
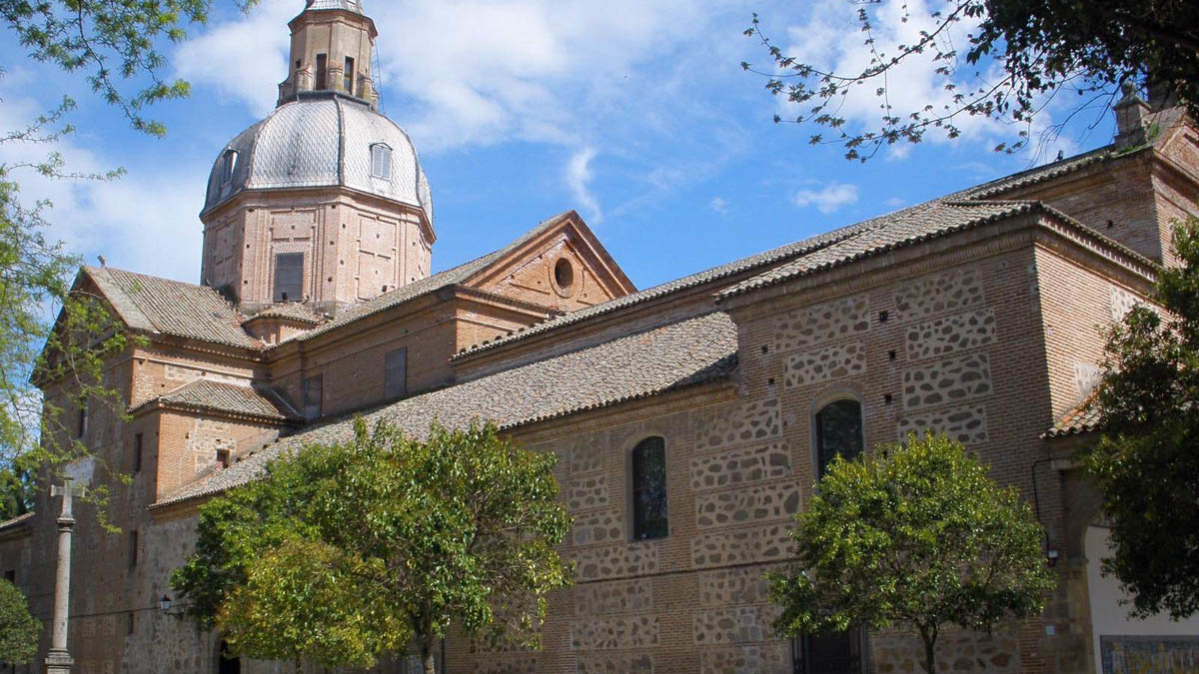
(1015, 58)
(344, 554)
(1146, 463)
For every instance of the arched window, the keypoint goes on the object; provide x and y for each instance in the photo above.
(649, 489)
(838, 431)
(381, 161)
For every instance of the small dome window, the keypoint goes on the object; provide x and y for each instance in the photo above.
(381, 161)
(228, 166)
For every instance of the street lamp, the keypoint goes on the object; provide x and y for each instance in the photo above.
(165, 604)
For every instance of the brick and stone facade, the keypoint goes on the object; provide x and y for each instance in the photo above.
(977, 315)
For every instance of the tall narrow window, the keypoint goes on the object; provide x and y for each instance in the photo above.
(348, 83)
(395, 374)
(838, 653)
(313, 393)
(132, 548)
(137, 453)
(289, 277)
(228, 166)
(649, 489)
(381, 161)
(322, 72)
(838, 432)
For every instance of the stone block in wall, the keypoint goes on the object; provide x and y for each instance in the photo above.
(590, 634)
(586, 492)
(751, 504)
(822, 323)
(740, 466)
(621, 596)
(765, 658)
(603, 526)
(524, 664)
(614, 663)
(614, 561)
(586, 455)
(1121, 303)
(736, 625)
(724, 587)
(947, 381)
(737, 424)
(951, 333)
(893, 651)
(1086, 378)
(828, 363)
(939, 293)
(966, 424)
(741, 546)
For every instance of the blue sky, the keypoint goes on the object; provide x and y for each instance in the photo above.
(636, 114)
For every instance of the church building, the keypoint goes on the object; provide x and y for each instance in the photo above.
(691, 419)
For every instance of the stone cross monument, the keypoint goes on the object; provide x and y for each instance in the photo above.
(58, 660)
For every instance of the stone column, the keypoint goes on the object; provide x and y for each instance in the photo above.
(58, 660)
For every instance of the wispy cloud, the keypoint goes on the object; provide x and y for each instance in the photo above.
(828, 198)
(719, 205)
(578, 179)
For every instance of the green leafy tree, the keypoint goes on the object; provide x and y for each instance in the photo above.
(915, 536)
(1146, 463)
(1013, 58)
(48, 336)
(344, 554)
(18, 629)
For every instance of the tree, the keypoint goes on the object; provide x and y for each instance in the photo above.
(344, 554)
(1018, 55)
(913, 535)
(48, 335)
(18, 629)
(1146, 463)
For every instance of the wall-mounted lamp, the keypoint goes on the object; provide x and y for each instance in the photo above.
(1051, 556)
(165, 604)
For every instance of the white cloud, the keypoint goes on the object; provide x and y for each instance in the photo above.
(578, 179)
(828, 198)
(831, 38)
(895, 202)
(244, 59)
(719, 205)
(144, 221)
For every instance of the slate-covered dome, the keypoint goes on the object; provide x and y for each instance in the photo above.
(321, 140)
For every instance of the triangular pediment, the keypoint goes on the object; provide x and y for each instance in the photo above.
(561, 264)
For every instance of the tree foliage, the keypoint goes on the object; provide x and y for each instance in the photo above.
(344, 554)
(116, 46)
(1016, 56)
(916, 536)
(18, 629)
(1146, 463)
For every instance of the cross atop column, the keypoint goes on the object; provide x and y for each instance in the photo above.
(68, 491)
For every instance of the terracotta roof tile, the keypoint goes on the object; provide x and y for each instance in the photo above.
(162, 306)
(667, 358)
(214, 396)
(1083, 418)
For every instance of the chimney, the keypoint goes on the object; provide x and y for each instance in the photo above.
(1131, 117)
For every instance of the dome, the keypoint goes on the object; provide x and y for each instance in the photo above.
(322, 141)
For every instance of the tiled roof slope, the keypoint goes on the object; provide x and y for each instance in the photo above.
(214, 396)
(674, 356)
(927, 221)
(767, 258)
(1083, 418)
(291, 311)
(158, 305)
(431, 284)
